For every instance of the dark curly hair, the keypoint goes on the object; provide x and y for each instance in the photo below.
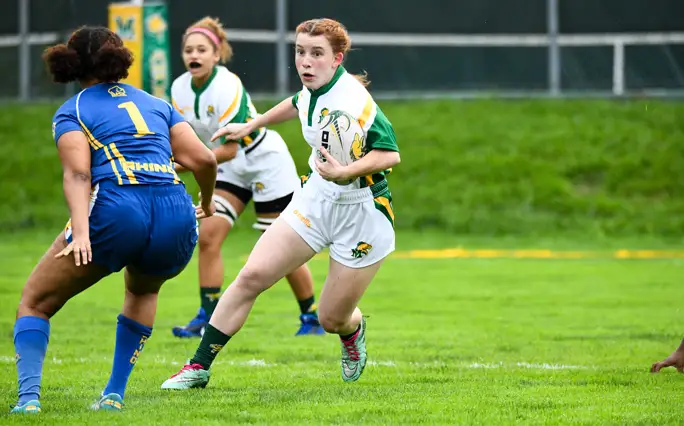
(91, 53)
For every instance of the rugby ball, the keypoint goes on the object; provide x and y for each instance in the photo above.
(342, 136)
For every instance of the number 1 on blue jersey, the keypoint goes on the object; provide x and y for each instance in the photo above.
(137, 118)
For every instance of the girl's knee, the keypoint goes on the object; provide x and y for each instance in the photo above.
(331, 323)
(253, 280)
(209, 243)
(39, 305)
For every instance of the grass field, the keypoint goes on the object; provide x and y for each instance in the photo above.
(486, 341)
(487, 167)
(550, 311)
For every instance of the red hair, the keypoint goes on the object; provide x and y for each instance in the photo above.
(335, 33)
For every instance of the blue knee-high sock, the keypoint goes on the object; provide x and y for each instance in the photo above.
(130, 340)
(31, 335)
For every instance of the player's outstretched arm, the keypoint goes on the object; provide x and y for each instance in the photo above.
(191, 153)
(284, 111)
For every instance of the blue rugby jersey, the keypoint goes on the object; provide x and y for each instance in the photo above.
(128, 133)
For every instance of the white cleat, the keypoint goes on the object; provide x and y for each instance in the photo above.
(189, 377)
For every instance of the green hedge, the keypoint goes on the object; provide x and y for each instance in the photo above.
(468, 167)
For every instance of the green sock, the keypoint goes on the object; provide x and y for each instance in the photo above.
(209, 298)
(307, 305)
(212, 343)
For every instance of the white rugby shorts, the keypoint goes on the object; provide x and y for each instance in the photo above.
(356, 224)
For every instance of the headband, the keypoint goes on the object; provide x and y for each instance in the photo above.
(206, 32)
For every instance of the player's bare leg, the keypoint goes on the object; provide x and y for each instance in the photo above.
(56, 280)
(302, 285)
(279, 251)
(339, 314)
(676, 360)
(212, 233)
(49, 286)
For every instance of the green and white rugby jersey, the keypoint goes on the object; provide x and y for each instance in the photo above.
(344, 92)
(222, 99)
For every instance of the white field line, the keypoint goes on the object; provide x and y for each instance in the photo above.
(389, 364)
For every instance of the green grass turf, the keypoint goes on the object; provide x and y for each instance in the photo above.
(485, 341)
(489, 167)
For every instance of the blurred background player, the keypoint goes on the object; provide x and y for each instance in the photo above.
(128, 208)
(676, 360)
(354, 220)
(259, 167)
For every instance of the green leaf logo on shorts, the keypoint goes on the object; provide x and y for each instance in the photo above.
(361, 249)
